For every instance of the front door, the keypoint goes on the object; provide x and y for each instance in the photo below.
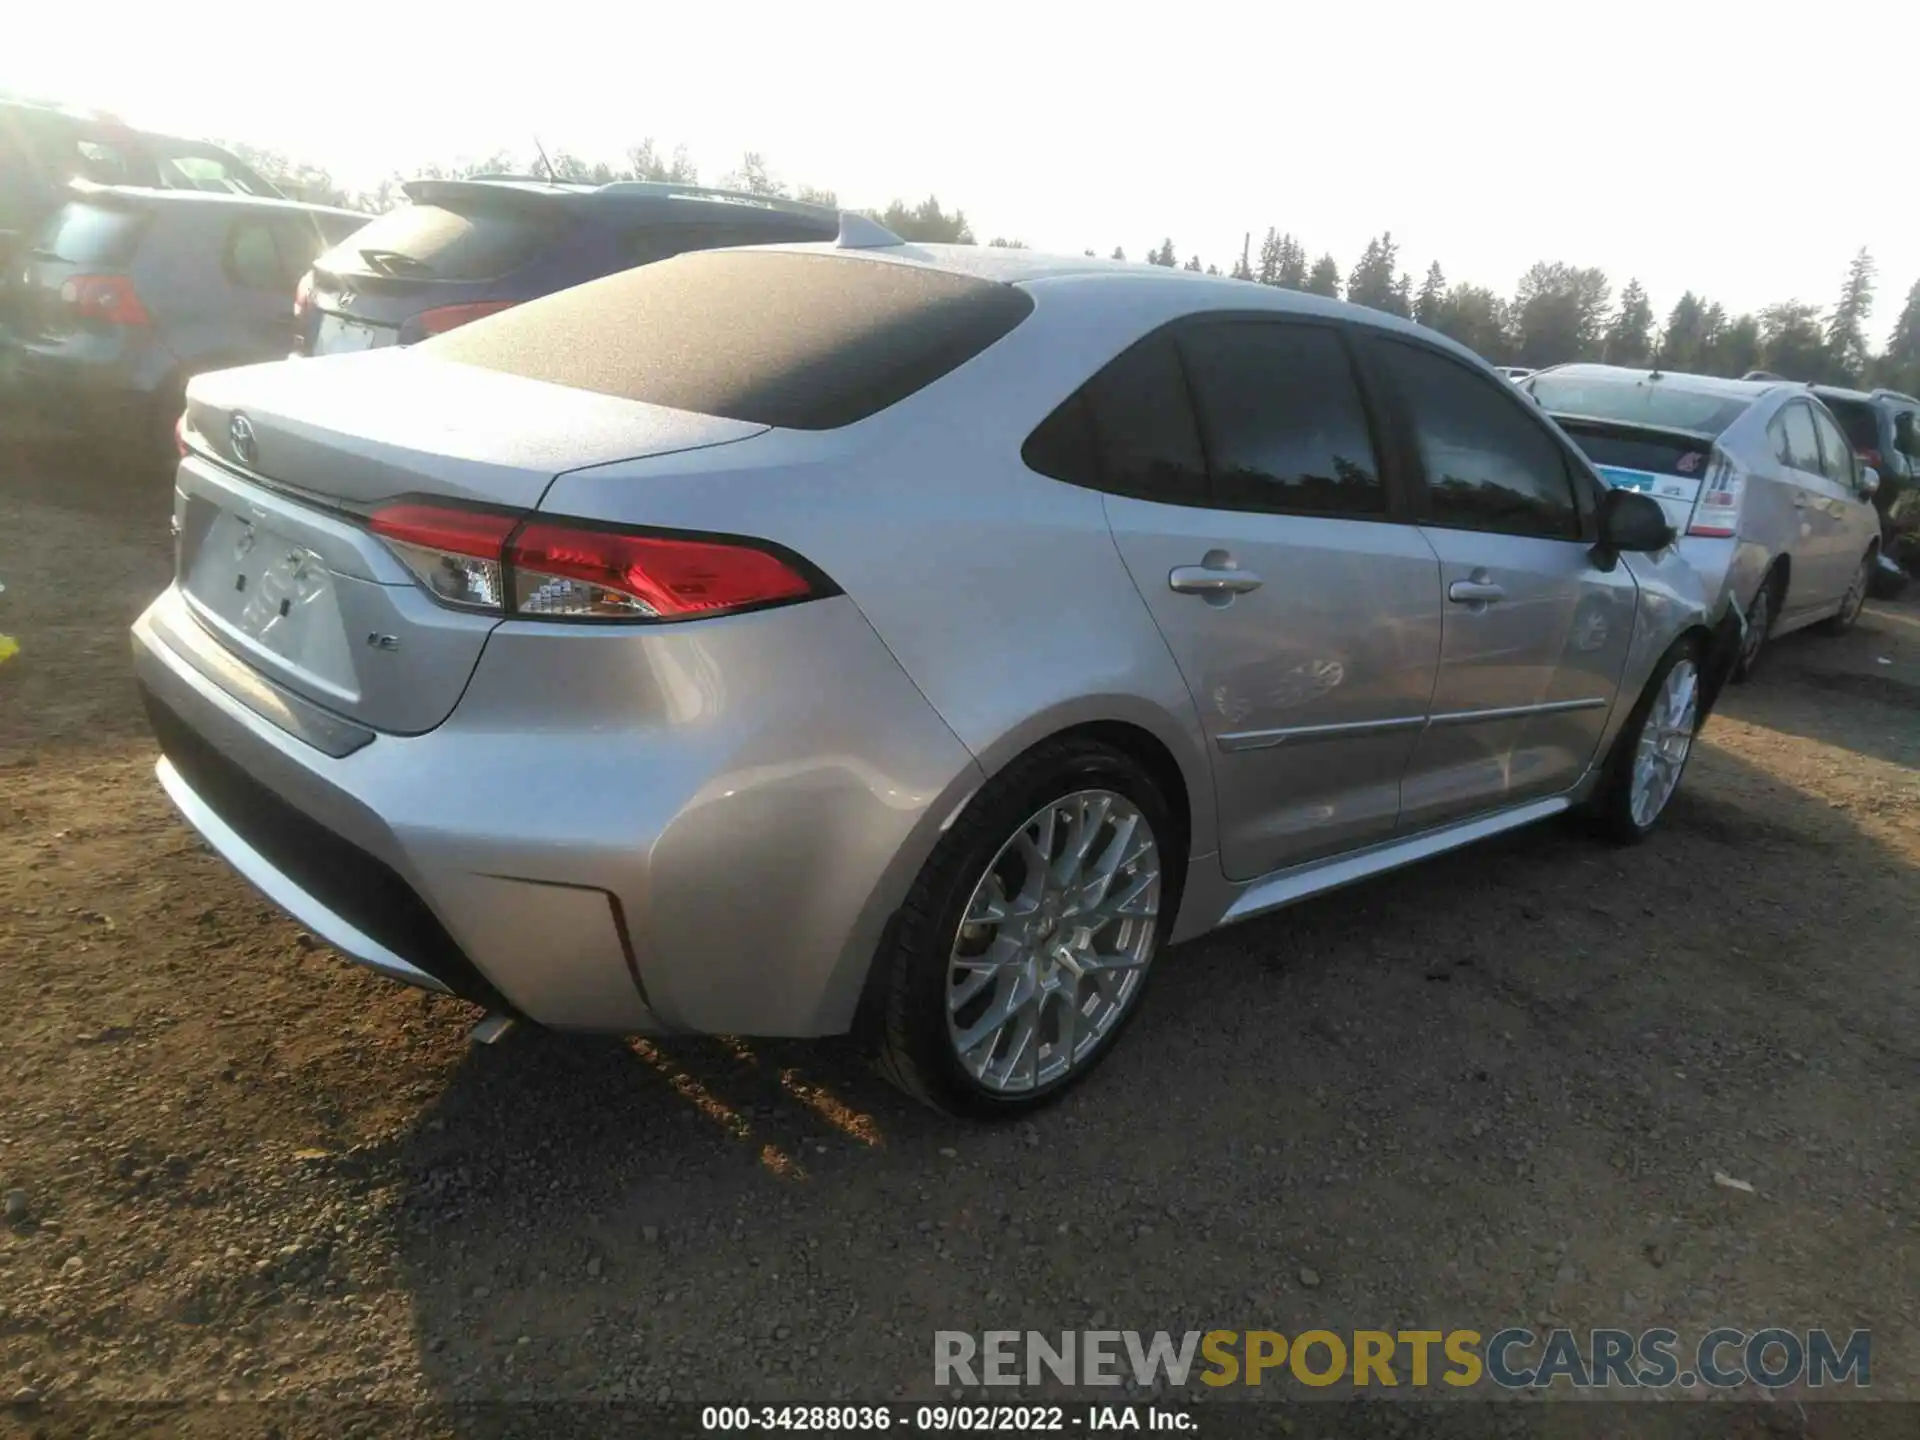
(1302, 610)
(1536, 633)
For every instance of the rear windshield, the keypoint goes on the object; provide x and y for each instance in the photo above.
(93, 234)
(435, 242)
(1858, 419)
(1636, 400)
(1629, 451)
(772, 337)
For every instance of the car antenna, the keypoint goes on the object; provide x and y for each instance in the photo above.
(552, 179)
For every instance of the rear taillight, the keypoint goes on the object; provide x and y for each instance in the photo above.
(1717, 511)
(303, 297)
(1871, 457)
(452, 317)
(541, 569)
(111, 298)
(457, 554)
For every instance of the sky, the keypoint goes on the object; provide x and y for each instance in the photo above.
(1743, 152)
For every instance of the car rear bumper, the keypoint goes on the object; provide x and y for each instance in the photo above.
(554, 849)
(88, 386)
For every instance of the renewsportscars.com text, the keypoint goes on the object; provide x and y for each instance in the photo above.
(1513, 1358)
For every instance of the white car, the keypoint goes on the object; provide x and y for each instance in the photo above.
(1515, 373)
(1773, 507)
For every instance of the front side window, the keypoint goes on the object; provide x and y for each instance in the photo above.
(1489, 465)
(1281, 413)
(1836, 453)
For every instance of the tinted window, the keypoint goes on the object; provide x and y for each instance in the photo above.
(1836, 452)
(1489, 465)
(93, 234)
(1631, 449)
(253, 259)
(108, 164)
(1630, 397)
(777, 337)
(1859, 419)
(436, 242)
(300, 243)
(1803, 448)
(1282, 417)
(1143, 426)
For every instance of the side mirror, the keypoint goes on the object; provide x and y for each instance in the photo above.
(1633, 523)
(1869, 482)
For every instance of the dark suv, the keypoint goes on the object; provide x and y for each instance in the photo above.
(129, 292)
(466, 248)
(1884, 429)
(42, 147)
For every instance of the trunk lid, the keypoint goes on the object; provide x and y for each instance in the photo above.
(274, 557)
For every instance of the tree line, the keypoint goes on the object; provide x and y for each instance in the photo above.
(1557, 313)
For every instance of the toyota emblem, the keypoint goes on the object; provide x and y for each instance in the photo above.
(240, 436)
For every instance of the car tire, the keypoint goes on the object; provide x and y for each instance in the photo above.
(940, 945)
(1761, 613)
(1851, 604)
(1618, 808)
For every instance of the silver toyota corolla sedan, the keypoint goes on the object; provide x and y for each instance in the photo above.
(897, 639)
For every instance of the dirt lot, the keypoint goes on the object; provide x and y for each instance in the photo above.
(1495, 1089)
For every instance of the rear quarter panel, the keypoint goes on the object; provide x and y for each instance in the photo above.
(999, 591)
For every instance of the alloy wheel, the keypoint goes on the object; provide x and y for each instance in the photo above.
(1666, 738)
(1055, 942)
(1856, 598)
(1759, 621)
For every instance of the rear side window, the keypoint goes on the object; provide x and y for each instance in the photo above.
(437, 242)
(102, 235)
(1281, 412)
(1129, 430)
(799, 340)
(1489, 464)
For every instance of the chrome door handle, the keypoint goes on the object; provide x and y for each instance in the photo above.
(1474, 592)
(1211, 580)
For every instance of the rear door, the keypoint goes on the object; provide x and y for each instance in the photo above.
(1301, 607)
(1536, 634)
(262, 258)
(1809, 537)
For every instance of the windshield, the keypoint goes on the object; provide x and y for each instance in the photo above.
(1637, 400)
(436, 242)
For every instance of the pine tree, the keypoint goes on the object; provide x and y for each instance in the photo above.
(1293, 264)
(1629, 339)
(1163, 256)
(1324, 278)
(1683, 342)
(1900, 366)
(1192, 264)
(1118, 253)
(1268, 271)
(1847, 326)
(1792, 341)
(1432, 298)
(1372, 282)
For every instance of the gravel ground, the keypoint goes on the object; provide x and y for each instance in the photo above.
(1493, 1089)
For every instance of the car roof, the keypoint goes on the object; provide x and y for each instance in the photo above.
(1841, 392)
(1678, 379)
(1184, 291)
(630, 196)
(144, 195)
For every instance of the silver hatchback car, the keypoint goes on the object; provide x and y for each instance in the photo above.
(1774, 508)
(896, 639)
